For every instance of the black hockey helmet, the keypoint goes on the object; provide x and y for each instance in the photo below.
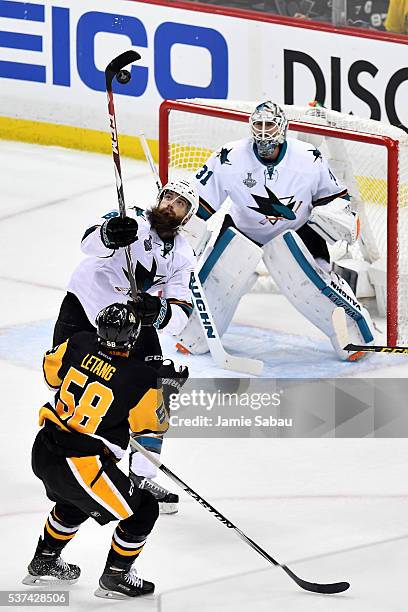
(118, 327)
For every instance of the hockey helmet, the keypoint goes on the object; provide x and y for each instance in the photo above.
(268, 127)
(118, 327)
(184, 189)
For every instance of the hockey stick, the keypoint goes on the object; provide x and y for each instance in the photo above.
(221, 357)
(115, 68)
(336, 587)
(150, 160)
(341, 331)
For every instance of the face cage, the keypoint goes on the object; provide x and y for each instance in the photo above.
(262, 135)
(267, 143)
(188, 214)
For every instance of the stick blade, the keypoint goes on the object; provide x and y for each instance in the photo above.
(225, 360)
(121, 61)
(314, 587)
(242, 364)
(340, 327)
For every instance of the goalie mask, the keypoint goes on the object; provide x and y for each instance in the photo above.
(117, 327)
(268, 127)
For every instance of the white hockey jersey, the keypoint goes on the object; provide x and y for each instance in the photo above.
(267, 199)
(162, 267)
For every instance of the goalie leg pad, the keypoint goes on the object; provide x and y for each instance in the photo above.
(315, 292)
(227, 274)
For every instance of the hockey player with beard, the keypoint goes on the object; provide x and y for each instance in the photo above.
(286, 205)
(163, 262)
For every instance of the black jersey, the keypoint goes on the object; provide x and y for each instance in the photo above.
(100, 394)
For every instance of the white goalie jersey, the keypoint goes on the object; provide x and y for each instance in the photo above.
(267, 198)
(162, 267)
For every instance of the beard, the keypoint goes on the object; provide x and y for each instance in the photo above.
(164, 222)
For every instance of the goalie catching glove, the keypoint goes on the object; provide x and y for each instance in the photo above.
(119, 232)
(335, 221)
(152, 310)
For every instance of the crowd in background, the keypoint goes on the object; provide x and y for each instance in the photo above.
(380, 15)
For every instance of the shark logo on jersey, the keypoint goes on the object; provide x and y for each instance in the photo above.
(273, 208)
(223, 156)
(145, 279)
(249, 181)
(316, 154)
(139, 211)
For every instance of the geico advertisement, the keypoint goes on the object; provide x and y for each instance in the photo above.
(53, 56)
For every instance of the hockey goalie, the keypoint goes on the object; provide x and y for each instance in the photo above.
(286, 206)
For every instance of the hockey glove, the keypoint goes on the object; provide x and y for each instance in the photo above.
(117, 232)
(172, 378)
(152, 310)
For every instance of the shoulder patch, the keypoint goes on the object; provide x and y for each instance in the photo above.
(140, 212)
(316, 154)
(223, 156)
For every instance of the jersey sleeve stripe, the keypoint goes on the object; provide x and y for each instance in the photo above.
(186, 307)
(205, 211)
(327, 199)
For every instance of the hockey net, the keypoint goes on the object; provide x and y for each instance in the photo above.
(369, 156)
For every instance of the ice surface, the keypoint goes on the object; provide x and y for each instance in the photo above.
(333, 509)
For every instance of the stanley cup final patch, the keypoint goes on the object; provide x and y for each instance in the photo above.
(249, 181)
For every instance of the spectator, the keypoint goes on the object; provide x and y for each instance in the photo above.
(366, 14)
(397, 17)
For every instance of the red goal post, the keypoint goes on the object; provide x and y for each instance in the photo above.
(371, 156)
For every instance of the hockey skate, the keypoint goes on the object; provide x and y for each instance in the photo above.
(168, 502)
(47, 567)
(116, 583)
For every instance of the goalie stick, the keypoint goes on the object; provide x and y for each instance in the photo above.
(221, 357)
(115, 68)
(331, 588)
(341, 331)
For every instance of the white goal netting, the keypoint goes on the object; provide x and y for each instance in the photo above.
(369, 156)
